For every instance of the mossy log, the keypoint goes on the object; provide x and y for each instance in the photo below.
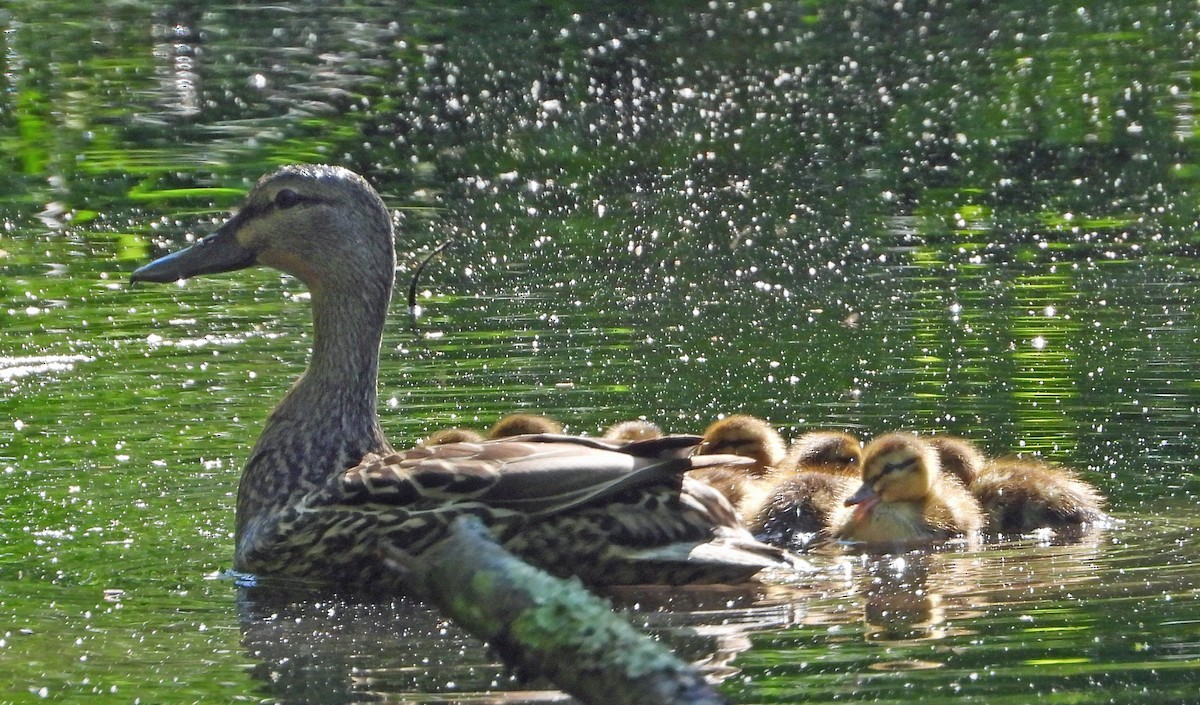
(549, 627)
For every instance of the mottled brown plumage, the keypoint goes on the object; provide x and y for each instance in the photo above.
(323, 490)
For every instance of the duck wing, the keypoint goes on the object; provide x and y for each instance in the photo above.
(534, 475)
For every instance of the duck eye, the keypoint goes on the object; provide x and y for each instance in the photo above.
(286, 198)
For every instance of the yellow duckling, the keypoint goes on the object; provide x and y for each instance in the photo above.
(824, 467)
(454, 434)
(1019, 495)
(522, 424)
(904, 497)
(633, 430)
(745, 486)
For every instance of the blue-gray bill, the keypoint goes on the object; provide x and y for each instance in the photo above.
(218, 252)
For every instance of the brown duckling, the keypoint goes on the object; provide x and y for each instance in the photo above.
(633, 430)
(828, 452)
(959, 457)
(522, 424)
(454, 434)
(1019, 495)
(824, 467)
(904, 497)
(1022, 494)
(750, 437)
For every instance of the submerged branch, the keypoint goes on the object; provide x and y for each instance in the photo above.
(546, 626)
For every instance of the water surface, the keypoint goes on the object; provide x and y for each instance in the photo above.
(859, 216)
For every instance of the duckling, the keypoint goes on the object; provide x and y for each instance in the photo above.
(904, 497)
(959, 457)
(824, 467)
(324, 497)
(747, 436)
(827, 452)
(521, 424)
(1021, 495)
(633, 430)
(454, 434)
(745, 486)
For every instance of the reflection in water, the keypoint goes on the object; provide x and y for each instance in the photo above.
(318, 648)
(332, 649)
(898, 603)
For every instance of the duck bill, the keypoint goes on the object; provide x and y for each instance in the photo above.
(864, 494)
(216, 253)
(863, 501)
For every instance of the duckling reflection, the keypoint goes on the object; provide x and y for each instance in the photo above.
(897, 602)
(905, 499)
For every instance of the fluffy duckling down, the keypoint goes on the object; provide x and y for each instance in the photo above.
(746, 486)
(1019, 495)
(521, 424)
(821, 471)
(905, 498)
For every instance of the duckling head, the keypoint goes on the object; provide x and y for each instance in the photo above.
(958, 457)
(632, 430)
(827, 451)
(324, 225)
(454, 434)
(898, 467)
(747, 436)
(520, 424)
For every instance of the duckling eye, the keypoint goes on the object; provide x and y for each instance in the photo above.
(899, 465)
(286, 198)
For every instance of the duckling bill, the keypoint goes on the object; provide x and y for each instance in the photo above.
(323, 491)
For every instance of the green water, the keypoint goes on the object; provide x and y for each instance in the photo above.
(962, 217)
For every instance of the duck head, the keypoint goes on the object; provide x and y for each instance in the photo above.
(828, 451)
(747, 436)
(324, 225)
(959, 457)
(897, 467)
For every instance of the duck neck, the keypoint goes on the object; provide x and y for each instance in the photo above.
(328, 420)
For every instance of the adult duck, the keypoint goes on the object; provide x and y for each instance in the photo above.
(323, 494)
